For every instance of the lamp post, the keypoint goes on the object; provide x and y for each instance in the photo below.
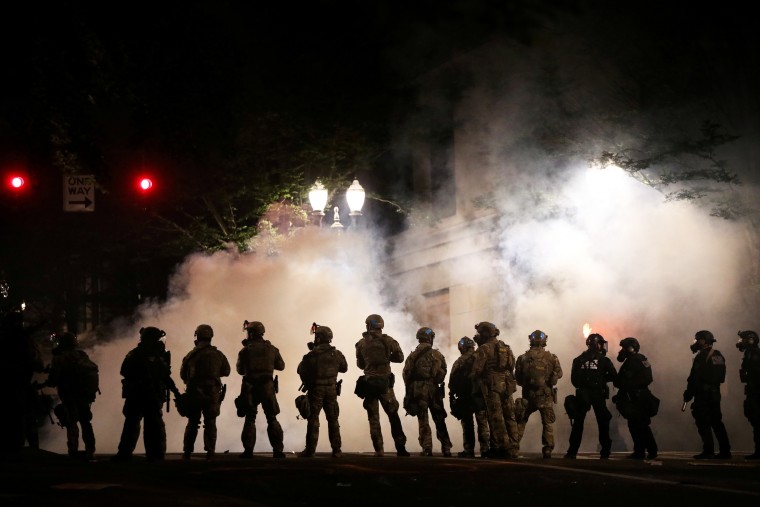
(318, 201)
(355, 197)
(336, 225)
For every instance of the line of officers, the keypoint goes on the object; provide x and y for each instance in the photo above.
(481, 386)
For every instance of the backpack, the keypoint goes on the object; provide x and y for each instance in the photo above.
(504, 357)
(88, 378)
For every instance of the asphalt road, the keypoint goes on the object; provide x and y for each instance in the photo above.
(44, 478)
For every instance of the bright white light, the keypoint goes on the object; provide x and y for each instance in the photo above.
(318, 196)
(355, 197)
(609, 181)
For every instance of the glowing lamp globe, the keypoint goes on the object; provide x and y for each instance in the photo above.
(355, 197)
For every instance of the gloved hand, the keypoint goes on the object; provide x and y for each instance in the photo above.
(687, 396)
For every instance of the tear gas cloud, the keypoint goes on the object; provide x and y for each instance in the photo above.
(573, 246)
(626, 263)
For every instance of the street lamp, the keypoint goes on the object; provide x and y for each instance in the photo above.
(355, 197)
(336, 221)
(318, 201)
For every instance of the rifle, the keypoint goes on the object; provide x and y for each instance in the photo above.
(276, 382)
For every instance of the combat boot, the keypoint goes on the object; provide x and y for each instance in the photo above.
(446, 453)
(754, 455)
(306, 453)
(246, 454)
(427, 452)
(402, 452)
(336, 453)
(278, 454)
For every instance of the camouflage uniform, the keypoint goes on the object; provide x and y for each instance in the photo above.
(256, 362)
(374, 353)
(201, 370)
(537, 372)
(424, 371)
(319, 373)
(75, 411)
(147, 377)
(492, 374)
(465, 402)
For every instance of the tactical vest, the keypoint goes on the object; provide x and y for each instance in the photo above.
(260, 358)
(374, 351)
(535, 369)
(504, 359)
(319, 366)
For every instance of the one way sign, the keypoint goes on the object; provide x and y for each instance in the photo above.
(79, 193)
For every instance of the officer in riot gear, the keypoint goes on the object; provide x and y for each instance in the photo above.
(708, 372)
(634, 400)
(202, 371)
(591, 372)
(319, 371)
(424, 373)
(147, 376)
(493, 374)
(256, 362)
(466, 401)
(749, 374)
(537, 371)
(70, 369)
(375, 352)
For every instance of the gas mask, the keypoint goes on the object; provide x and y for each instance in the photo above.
(697, 346)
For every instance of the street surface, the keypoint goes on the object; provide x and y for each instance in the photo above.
(44, 478)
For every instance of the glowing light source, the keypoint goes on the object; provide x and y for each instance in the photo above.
(17, 182)
(355, 197)
(586, 330)
(146, 184)
(318, 197)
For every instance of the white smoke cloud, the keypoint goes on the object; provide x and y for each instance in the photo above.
(334, 280)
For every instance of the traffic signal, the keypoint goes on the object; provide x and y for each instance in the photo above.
(16, 182)
(145, 184)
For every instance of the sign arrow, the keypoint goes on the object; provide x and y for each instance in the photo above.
(86, 202)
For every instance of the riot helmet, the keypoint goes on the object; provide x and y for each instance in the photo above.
(151, 334)
(702, 340)
(254, 328)
(322, 334)
(628, 347)
(538, 338)
(465, 343)
(374, 321)
(487, 330)
(425, 334)
(66, 340)
(595, 341)
(204, 332)
(747, 339)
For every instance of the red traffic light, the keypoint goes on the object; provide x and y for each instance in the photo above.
(16, 182)
(145, 184)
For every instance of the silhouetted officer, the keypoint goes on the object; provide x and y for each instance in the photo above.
(147, 376)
